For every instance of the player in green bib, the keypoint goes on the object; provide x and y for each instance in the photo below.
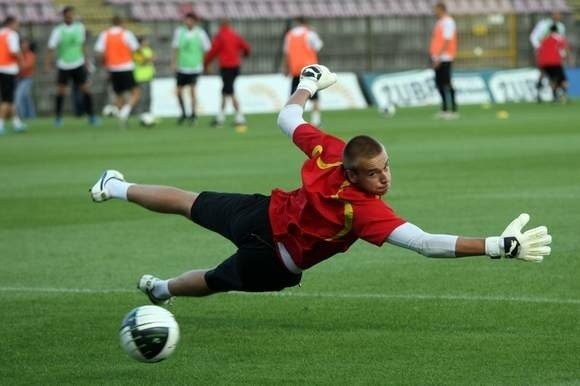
(67, 40)
(190, 43)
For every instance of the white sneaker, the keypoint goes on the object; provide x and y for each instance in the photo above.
(146, 285)
(99, 191)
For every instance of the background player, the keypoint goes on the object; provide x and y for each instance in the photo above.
(68, 41)
(10, 58)
(280, 236)
(550, 56)
(228, 45)
(301, 47)
(190, 43)
(539, 33)
(443, 49)
(116, 46)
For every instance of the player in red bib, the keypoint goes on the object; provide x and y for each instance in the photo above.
(550, 57)
(280, 236)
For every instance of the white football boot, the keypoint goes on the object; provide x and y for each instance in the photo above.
(99, 191)
(146, 285)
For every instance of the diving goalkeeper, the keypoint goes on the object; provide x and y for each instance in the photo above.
(281, 235)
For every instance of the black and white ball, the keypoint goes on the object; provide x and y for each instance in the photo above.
(389, 110)
(149, 334)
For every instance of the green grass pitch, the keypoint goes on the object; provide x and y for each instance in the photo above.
(370, 316)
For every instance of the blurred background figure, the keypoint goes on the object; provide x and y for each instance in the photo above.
(443, 49)
(115, 46)
(539, 33)
(228, 46)
(10, 59)
(301, 47)
(25, 107)
(551, 54)
(67, 40)
(190, 43)
(144, 59)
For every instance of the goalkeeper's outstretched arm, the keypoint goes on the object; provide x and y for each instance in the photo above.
(531, 245)
(312, 79)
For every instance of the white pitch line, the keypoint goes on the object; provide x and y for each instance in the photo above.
(300, 294)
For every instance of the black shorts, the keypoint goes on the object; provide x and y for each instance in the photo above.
(229, 76)
(7, 87)
(186, 79)
(122, 81)
(295, 81)
(78, 76)
(555, 74)
(243, 219)
(443, 74)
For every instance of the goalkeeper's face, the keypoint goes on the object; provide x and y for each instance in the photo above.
(373, 175)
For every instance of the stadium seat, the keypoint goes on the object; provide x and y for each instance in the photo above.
(31, 14)
(394, 8)
(264, 10)
(172, 11)
(246, 10)
(49, 13)
(352, 9)
(138, 12)
(13, 10)
(380, 8)
(155, 12)
(278, 10)
(519, 6)
(424, 7)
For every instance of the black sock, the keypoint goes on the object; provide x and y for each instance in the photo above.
(452, 96)
(181, 105)
(59, 102)
(88, 102)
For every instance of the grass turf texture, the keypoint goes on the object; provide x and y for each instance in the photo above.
(370, 316)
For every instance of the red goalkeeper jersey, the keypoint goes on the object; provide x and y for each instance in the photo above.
(327, 214)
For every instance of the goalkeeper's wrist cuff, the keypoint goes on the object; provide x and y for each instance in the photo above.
(493, 247)
(308, 85)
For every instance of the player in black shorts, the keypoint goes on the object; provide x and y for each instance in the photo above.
(11, 56)
(68, 41)
(228, 46)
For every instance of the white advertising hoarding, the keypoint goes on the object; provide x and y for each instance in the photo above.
(518, 86)
(417, 88)
(256, 94)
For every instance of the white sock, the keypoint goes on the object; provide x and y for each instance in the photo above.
(315, 118)
(1, 124)
(118, 189)
(125, 112)
(16, 122)
(161, 290)
(240, 117)
(220, 118)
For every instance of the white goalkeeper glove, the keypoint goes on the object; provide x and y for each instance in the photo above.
(315, 77)
(531, 245)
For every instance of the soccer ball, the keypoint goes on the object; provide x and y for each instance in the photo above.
(149, 334)
(388, 111)
(110, 111)
(147, 119)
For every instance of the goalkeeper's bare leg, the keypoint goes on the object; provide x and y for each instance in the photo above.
(161, 199)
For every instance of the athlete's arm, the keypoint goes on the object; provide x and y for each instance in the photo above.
(312, 78)
(531, 245)
(538, 33)
(100, 49)
(412, 237)
(290, 117)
